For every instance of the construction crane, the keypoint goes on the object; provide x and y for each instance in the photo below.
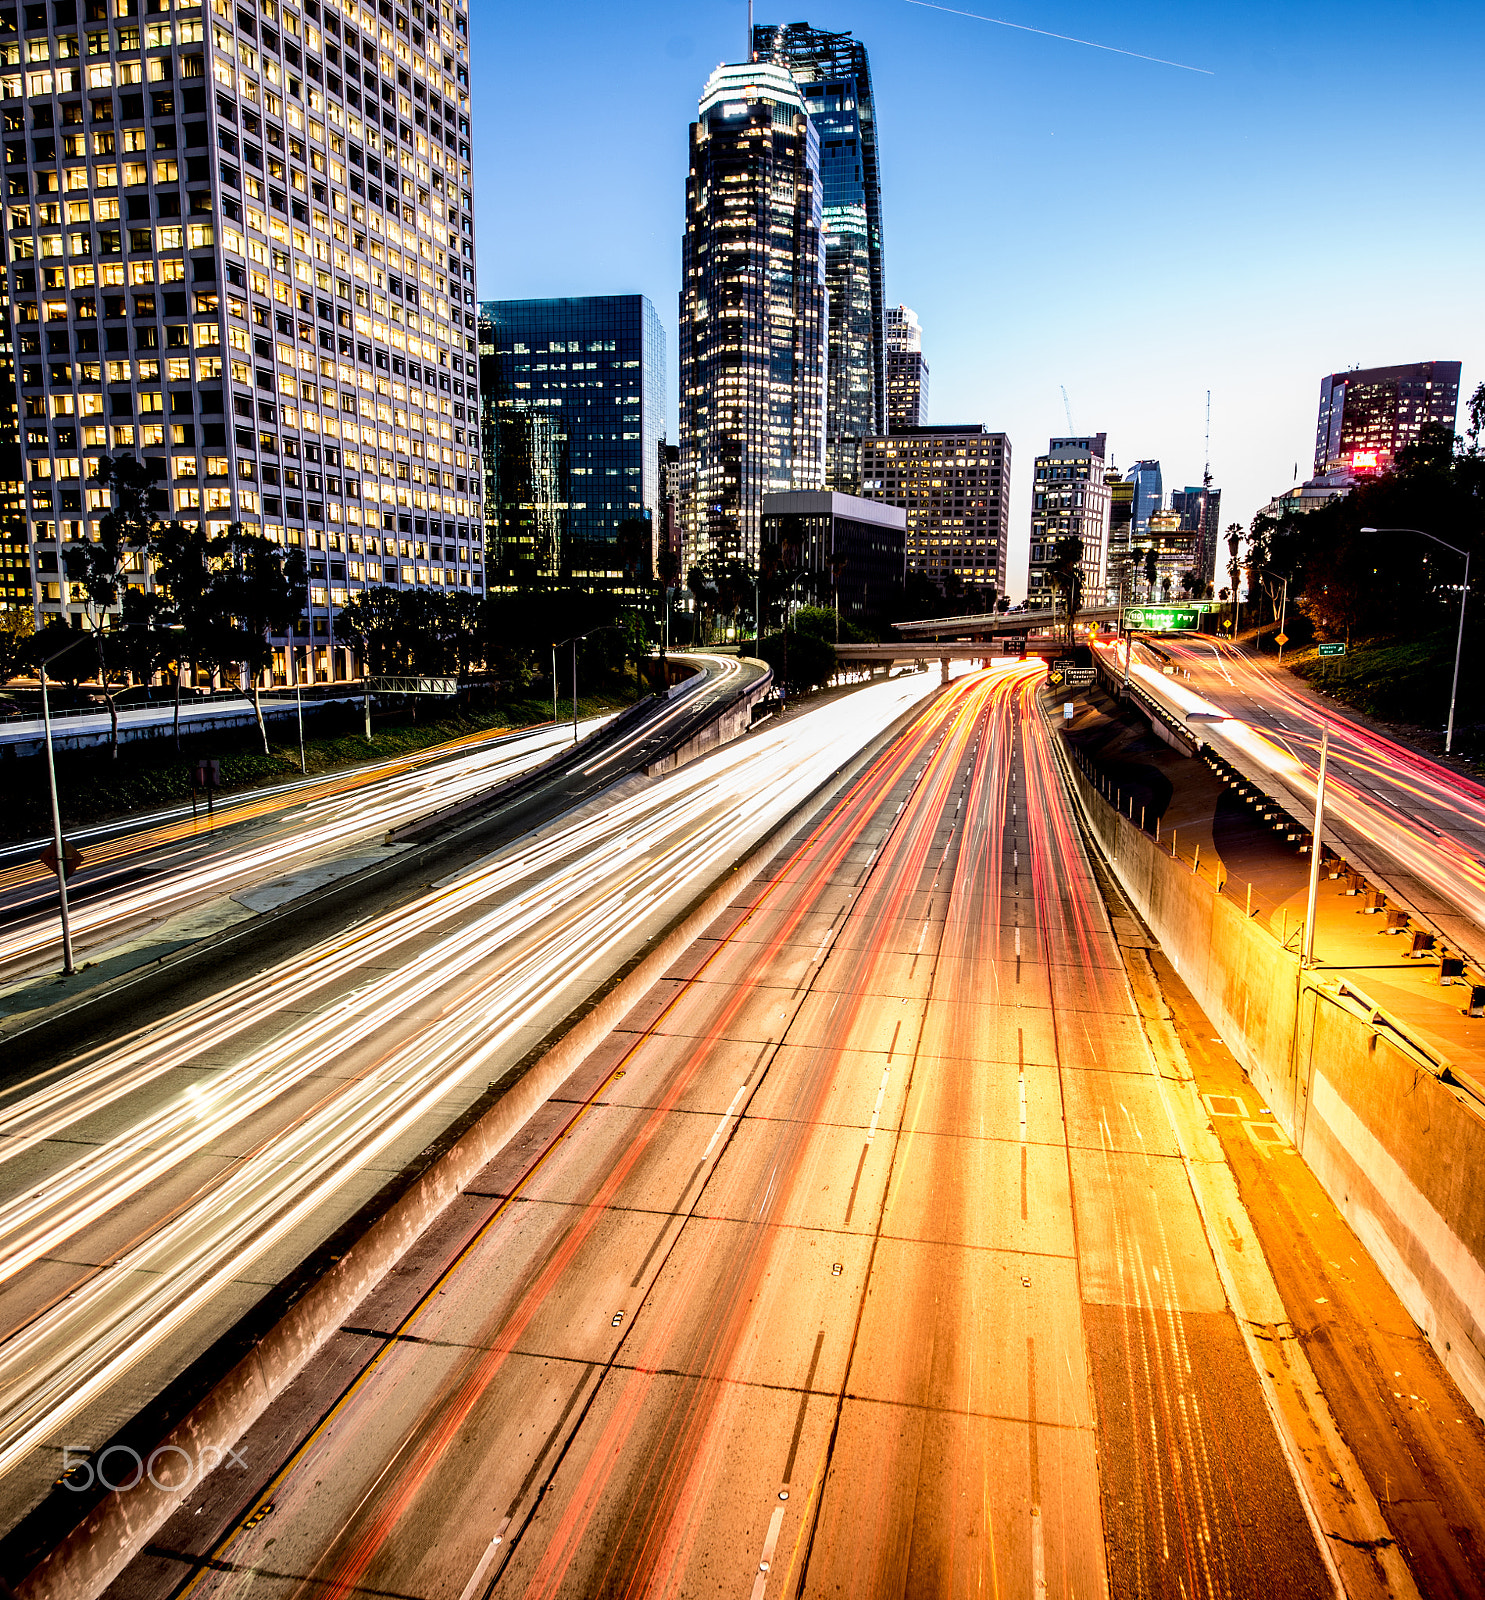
(1067, 407)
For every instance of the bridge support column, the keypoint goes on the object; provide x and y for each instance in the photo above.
(943, 669)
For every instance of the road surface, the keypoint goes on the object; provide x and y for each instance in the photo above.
(262, 851)
(157, 1187)
(861, 1261)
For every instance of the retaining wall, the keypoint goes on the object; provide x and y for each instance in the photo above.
(1397, 1140)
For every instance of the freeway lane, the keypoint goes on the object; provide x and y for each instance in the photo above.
(1416, 828)
(158, 1186)
(860, 1260)
(181, 880)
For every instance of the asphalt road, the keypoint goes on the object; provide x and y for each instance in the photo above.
(259, 851)
(1414, 826)
(860, 1261)
(159, 1186)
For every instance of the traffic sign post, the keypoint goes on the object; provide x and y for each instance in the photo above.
(71, 858)
(1163, 619)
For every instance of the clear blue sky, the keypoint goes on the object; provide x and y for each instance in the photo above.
(1057, 215)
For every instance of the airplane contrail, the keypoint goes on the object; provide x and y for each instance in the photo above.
(1066, 38)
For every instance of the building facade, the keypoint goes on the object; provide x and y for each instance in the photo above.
(241, 247)
(753, 317)
(1119, 576)
(1369, 414)
(1069, 500)
(1200, 511)
(954, 482)
(907, 371)
(834, 76)
(574, 390)
(853, 550)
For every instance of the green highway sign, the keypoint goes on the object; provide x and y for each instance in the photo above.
(1330, 650)
(1163, 619)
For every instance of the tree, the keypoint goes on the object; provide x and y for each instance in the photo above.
(1066, 576)
(257, 589)
(147, 638)
(1165, 588)
(465, 631)
(98, 568)
(1191, 584)
(178, 554)
(372, 621)
(704, 593)
(17, 629)
(633, 550)
(1152, 571)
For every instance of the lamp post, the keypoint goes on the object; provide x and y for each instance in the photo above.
(1463, 602)
(1316, 850)
(1268, 572)
(51, 777)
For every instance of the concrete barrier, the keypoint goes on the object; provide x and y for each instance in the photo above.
(1394, 1132)
(728, 725)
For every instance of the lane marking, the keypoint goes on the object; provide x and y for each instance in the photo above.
(871, 1131)
(706, 1154)
(775, 1522)
(492, 1550)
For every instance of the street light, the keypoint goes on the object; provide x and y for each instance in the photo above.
(51, 777)
(1268, 572)
(1463, 602)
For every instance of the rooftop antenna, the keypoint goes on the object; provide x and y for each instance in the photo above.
(1206, 471)
(752, 54)
(1066, 403)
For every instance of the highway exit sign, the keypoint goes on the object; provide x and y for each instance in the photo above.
(1337, 649)
(1163, 619)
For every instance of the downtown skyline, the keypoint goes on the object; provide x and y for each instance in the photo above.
(1202, 260)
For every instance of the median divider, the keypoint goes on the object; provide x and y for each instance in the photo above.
(74, 1544)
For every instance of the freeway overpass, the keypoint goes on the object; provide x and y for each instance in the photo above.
(926, 650)
(987, 624)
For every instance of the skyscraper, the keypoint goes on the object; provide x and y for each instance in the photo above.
(954, 481)
(264, 216)
(835, 77)
(1200, 511)
(1069, 500)
(575, 389)
(907, 371)
(1369, 414)
(752, 310)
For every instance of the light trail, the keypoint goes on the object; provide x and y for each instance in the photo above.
(482, 955)
(944, 734)
(306, 829)
(1450, 864)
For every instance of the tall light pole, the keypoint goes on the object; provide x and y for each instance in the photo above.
(1463, 602)
(51, 777)
(1268, 572)
(1316, 848)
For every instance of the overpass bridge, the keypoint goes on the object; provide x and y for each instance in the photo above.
(926, 650)
(988, 624)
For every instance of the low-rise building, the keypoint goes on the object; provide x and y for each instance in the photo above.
(853, 550)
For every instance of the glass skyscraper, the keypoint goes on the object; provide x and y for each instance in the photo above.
(574, 415)
(835, 78)
(752, 311)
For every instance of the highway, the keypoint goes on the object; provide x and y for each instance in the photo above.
(1415, 827)
(860, 1260)
(267, 848)
(157, 1186)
